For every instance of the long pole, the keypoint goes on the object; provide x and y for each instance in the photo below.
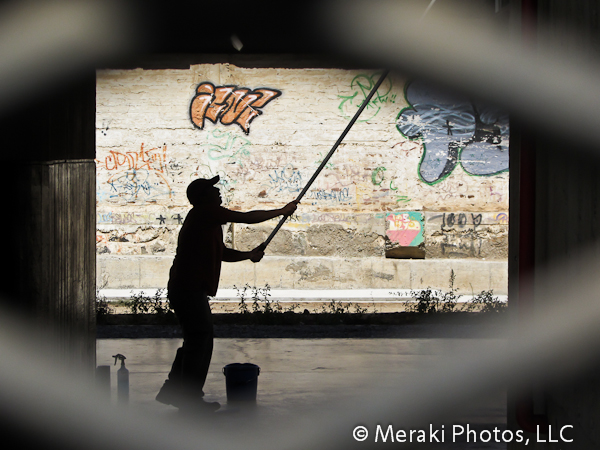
(329, 155)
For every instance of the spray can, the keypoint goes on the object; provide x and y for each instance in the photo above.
(122, 380)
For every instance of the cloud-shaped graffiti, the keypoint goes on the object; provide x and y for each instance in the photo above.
(454, 129)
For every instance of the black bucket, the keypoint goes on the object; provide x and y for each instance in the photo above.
(241, 382)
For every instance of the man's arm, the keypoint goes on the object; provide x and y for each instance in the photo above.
(255, 255)
(257, 216)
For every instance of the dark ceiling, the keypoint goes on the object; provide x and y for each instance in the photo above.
(207, 26)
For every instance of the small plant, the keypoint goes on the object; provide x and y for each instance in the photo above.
(261, 295)
(103, 307)
(139, 303)
(241, 293)
(335, 307)
(339, 308)
(449, 299)
(292, 307)
(375, 310)
(144, 304)
(359, 309)
(432, 300)
(426, 301)
(485, 302)
(160, 306)
(261, 304)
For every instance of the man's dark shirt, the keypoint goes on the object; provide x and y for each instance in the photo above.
(197, 263)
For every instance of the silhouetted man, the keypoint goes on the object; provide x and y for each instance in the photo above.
(193, 277)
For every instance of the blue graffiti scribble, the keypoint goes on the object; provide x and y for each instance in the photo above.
(454, 129)
(135, 184)
(105, 217)
(337, 195)
(285, 180)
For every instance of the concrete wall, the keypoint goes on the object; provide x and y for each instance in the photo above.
(420, 170)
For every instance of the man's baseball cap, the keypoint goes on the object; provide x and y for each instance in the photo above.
(198, 188)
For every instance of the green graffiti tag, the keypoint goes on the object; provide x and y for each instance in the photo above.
(329, 165)
(222, 144)
(399, 198)
(361, 85)
(378, 176)
(402, 199)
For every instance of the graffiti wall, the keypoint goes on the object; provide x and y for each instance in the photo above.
(421, 167)
(454, 131)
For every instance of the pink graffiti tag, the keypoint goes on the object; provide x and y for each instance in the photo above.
(402, 229)
(229, 104)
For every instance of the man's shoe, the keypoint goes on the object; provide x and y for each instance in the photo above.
(169, 394)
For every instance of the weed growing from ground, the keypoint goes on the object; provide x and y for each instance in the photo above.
(256, 300)
(485, 302)
(143, 304)
(359, 309)
(241, 293)
(103, 307)
(261, 304)
(335, 307)
(433, 300)
(292, 307)
(339, 307)
(449, 299)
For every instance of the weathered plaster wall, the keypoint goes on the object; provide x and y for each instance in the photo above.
(420, 169)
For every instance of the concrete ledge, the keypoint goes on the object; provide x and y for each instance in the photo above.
(317, 273)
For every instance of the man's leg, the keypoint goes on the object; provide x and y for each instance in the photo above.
(193, 359)
(175, 373)
(190, 367)
(197, 347)
(171, 391)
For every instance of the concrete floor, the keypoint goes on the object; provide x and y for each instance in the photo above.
(296, 374)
